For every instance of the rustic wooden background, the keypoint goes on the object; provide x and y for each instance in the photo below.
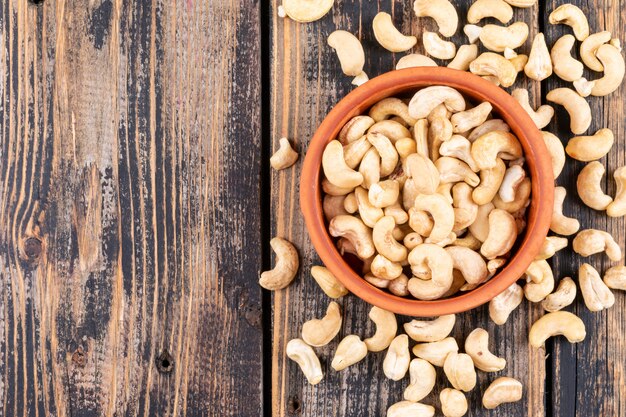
(137, 207)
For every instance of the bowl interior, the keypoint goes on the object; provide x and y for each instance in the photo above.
(405, 82)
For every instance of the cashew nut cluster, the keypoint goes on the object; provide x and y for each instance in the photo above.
(430, 194)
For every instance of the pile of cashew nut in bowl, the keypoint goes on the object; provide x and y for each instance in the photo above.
(427, 194)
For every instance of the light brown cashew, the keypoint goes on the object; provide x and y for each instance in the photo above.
(386, 150)
(496, 38)
(307, 10)
(435, 261)
(489, 63)
(386, 329)
(319, 332)
(556, 151)
(382, 267)
(350, 204)
(435, 46)
(362, 78)
(596, 294)
(397, 212)
(332, 189)
(439, 131)
(452, 170)
(560, 223)
(459, 369)
(333, 205)
(562, 297)
(436, 352)
(442, 11)
(487, 148)
(399, 286)
(350, 350)
(355, 129)
(453, 403)
(286, 266)
(405, 147)
(464, 55)
(384, 242)
(589, 188)
(615, 277)
(469, 263)
(502, 305)
(393, 130)
(408, 408)
(513, 177)
(345, 246)
(384, 193)
(425, 173)
(477, 347)
(415, 60)
(480, 228)
(614, 68)
(502, 234)
(539, 65)
(423, 377)
(459, 147)
(522, 198)
(349, 51)
(540, 281)
(354, 152)
(618, 207)
(430, 330)
(369, 168)
(442, 213)
(302, 354)
(502, 390)
(427, 99)
(481, 9)
(589, 47)
(591, 241)
(590, 148)
(571, 15)
(354, 230)
(554, 324)
(396, 362)
(284, 157)
(388, 36)
(493, 265)
(369, 214)
(469, 241)
(390, 106)
(488, 126)
(377, 282)
(519, 62)
(490, 181)
(541, 116)
(411, 240)
(421, 222)
(566, 67)
(469, 119)
(522, 4)
(335, 168)
(550, 246)
(465, 209)
(577, 107)
(327, 282)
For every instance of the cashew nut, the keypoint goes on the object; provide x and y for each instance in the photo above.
(354, 230)
(480, 228)
(539, 65)
(424, 172)
(421, 221)
(459, 147)
(583, 87)
(388, 36)
(589, 188)
(386, 150)
(452, 170)
(571, 15)
(554, 324)
(503, 304)
(332, 189)
(522, 4)
(426, 99)
(349, 351)
(502, 390)
(442, 213)
(469, 119)
(423, 377)
(319, 332)
(615, 277)
(360, 79)
(464, 56)
(562, 297)
(301, 353)
(591, 241)
(383, 268)
(406, 147)
(396, 362)
(465, 209)
(453, 403)
(442, 11)
(434, 260)
(305, 11)
(459, 368)
(590, 148)
(477, 347)
(541, 116)
(386, 329)
(469, 263)
(565, 66)
(369, 168)
(350, 203)
(369, 213)
(556, 151)
(384, 242)
(393, 130)
(614, 68)
(354, 151)
(469, 241)
(497, 38)
(512, 179)
(349, 51)
(589, 47)
(577, 107)
(618, 207)
(437, 47)
(472, 32)
(355, 129)
(502, 234)
(415, 60)
(333, 205)
(377, 282)
(488, 126)
(399, 286)
(560, 223)
(436, 352)
(550, 246)
(327, 282)
(521, 201)
(387, 107)
(481, 9)
(487, 148)
(335, 168)
(408, 408)
(596, 293)
(540, 281)
(411, 240)
(430, 330)
(489, 63)
(286, 266)
(384, 193)
(284, 157)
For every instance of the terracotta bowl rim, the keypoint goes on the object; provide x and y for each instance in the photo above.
(395, 82)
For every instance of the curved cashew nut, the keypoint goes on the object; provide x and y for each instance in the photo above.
(465, 209)
(349, 51)
(386, 150)
(540, 281)
(554, 324)
(350, 203)
(377, 282)
(513, 177)
(319, 332)
(432, 258)
(481, 9)
(556, 151)
(349, 351)
(589, 47)
(393, 130)
(562, 224)
(406, 147)
(390, 106)
(396, 362)
(490, 181)
(502, 390)
(284, 157)
(618, 207)
(488, 126)
(452, 170)
(489, 63)
(571, 15)
(522, 4)
(469, 263)
(550, 246)
(591, 241)
(477, 346)
(442, 11)
(399, 286)
(421, 222)
(408, 408)
(354, 230)
(327, 282)
(442, 213)
(369, 214)
(469, 119)
(307, 11)
(503, 304)
(541, 116)
(614, 68)
(304, 355)
(415, 60)
(464, 56)
(539, 65)
(437, 47)
(562, 297)
(566, 67)
(480, 228)
(333, 205)
(384, 193)
(439, 131)
(487, 148)
(335, 168)
(332, 189)
(430, 330)
(497, 38)
(423, 377)
(589, 188)
(453, 403)
(355, 129)
(388, 36)
(369, 168)
(397, 212)
(590, 148)
(615, 277)
(436, 352)
(386, 329)
(577, 107)
(384, 242)
(424, 172)
(502, 234)
(354, 152)
(459, 368)
(383, 268)
(522, 198)
(426, 99)
(286, 266)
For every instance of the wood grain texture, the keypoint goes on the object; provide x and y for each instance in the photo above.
(129, 181)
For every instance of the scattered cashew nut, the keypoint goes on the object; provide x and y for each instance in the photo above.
(577, 107)
(591, 241)
(386, 329)
(396, 362)
(496, 38)
(459, 369)
(453, 403)
(435, 46)
(502, 390)
(436, 352)
(305, 11)
(595, 292)
(319, 332)
(571, 15)
(284, 157)
(489, 63)
(560, 223)
(589, 47)
(589, 188)
(564, 295)
(327, 282)
(614, 68)
(442, 11)
(541, 116)
(477, 346)
(590, 148)
(503, 304)
(286, 266)
(388, 36)
(415, 60)
(539, 65)
(408, 408)
(566, 67)
(618, 207)
(615, 277)
(554, 324)
(481, 9)
(430, 330)
(423, 377)
(303, 354)
(350, 350)
(349, 51)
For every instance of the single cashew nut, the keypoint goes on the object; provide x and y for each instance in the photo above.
(502, 234)
(459, 147)
(284, 157)
(349, 51)
(472, 32)
(518, 61)
(497, 38)
(319, 332)
(577, 107)
(423, 377)
(388, 36)
(335, 168)
(383, 268)
(415, 60)
(550, 246)
(477, 347)
(490, 181)
(555, 149)
(512, 179)
(541, 116)
(333, 205)
(396, 363)
(522, 4)
(331, 189)
(369, 214)
(430, 330)
(590, 148)
(436, 352)
(377, 282)
(571, 15)
(503, 304)
(564, 295)
(387, 107)
(442, 11)
(565, 66)
(554, 324)
(286, 266)
(465, 209)
(442, 213)
(452, 170)
(399, 286)
(595, 292)
(589, 188)
(301, 353)
(369, 168)
(489, 63)
(397, 212)
(393, 130)
(591, 241)
(384, 242)
(327, 282)
(618, 207)
(426, 99)
(431, 259)
(355, 129)
(406, 147)
(408, 408)
(539, 65)
(540, 281)
(453, 403)
(469, 263)
(493, 145)
(386, 150)
(437, 47)
(614, 68)
(480, 228)
(386, 329)
(354, 151)
(489, 126)
(464, 56)
(560, 223)
(305, 11)
(384, 193)
(355, 231)
(469, 119)
(425, 172)
(349, 351)
(615, 277)
(502, 390)
(589, 47)
(459, 368)
(481, 9)
(411, 240)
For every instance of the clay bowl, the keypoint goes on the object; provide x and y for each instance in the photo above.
(406, 82)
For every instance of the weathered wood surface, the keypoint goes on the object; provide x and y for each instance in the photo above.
(129, 179)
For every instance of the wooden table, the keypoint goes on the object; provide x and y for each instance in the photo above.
(138, 205)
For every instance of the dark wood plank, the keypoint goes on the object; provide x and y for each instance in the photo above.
(129, 179)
